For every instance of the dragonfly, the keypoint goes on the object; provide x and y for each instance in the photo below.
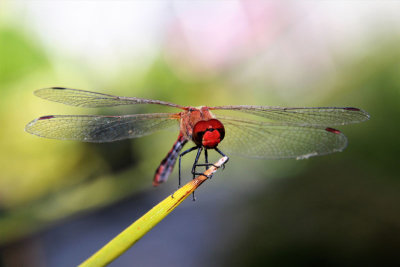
(266, 132)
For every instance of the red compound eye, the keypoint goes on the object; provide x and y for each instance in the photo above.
(208, 133)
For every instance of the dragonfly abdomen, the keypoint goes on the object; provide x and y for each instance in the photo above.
(167, 164)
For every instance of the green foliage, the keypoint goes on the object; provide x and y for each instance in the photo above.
(19, 56)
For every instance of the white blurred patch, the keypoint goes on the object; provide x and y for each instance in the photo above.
(102, 34)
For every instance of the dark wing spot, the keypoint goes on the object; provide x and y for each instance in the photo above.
(332, 130)
(352, 109)
(58, 88)
(46, 117)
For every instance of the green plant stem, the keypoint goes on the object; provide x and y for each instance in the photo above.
(140, 227)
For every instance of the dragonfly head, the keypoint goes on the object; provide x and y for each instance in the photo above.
(208, 133)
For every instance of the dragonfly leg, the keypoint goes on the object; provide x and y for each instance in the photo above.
(195, 165)
(194, 168)
(221, 153)
(206, 158)
(180, 160)
(200, 149)
(206, 164)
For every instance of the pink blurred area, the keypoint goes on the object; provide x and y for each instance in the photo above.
(209, 37)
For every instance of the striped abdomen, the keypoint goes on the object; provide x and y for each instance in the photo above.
(168, 163)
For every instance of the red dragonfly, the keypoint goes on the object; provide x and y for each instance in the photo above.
(253, 131)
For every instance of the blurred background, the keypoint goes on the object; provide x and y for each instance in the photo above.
(60, 201)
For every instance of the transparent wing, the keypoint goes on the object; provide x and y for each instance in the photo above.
(279, 141)
(81, 98)
(91, 128)
(321, 116)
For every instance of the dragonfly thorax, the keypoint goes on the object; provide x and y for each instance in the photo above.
(208, 133)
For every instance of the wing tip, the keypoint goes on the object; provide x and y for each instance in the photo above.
(365, 114)
(29, 126)
(38, 92)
